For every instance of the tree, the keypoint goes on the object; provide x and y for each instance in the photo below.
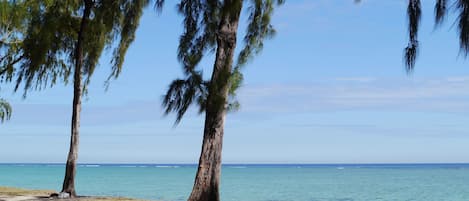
(212, 26)
(414, 13)
(68, 36)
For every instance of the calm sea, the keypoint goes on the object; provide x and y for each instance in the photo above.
(417, 182)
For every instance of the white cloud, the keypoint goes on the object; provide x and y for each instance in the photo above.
(445, 94)
(58, 114)
(429, 94)
(458, 79)
(356, 79)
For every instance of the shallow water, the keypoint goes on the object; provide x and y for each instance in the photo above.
(257, 182)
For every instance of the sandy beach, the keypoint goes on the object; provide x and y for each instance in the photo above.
(17, 194)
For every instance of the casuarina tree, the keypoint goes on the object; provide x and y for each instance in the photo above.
(65, 38)
(212, 26)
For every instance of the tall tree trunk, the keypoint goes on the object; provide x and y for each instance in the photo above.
(207, 180)
(71, 167)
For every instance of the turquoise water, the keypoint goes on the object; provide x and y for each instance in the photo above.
(448, 182)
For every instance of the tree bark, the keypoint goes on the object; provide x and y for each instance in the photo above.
(71, 166)
(207, 180)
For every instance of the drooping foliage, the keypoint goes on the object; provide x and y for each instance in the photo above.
(461, 8)
(440, 11)
(199, 38)
(131, 13)
(5, 110)
(14, 17)
(48, 43)
(411, 51)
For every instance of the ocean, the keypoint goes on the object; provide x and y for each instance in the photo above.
(292, 182)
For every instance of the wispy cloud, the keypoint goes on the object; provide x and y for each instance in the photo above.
(57, 114)
(356, 79)
(450, 94)
(458, 79)
(444, 94)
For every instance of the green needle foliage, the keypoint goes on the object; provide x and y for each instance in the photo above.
(48, 46)
(5, 110)
(414, 13)
(414, 10)
(199, 38)
(14, 17)
(57, 38)
(212, 27)
(11, 26)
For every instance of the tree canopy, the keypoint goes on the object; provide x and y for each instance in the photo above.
(14, 17)
(199, 38)
(47, 39)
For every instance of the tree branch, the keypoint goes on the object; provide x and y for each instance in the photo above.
(12, 63)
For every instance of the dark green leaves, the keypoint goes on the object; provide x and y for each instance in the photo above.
(47, 46)
(14, 16)
(411, 51)
(259, 28)
(50, 33)
(201, 22)
(463, 25)
(182, 93)
(5, 110)
(127, 25)
(440, 11)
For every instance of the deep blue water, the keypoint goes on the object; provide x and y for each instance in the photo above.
(278, 182)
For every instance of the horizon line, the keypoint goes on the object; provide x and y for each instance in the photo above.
(191, 164)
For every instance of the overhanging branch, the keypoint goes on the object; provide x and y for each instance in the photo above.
(2, 71)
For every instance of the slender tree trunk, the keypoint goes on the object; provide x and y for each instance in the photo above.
(206, 185)
(71, 167)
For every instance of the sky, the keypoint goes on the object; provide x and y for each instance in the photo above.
(330, 87)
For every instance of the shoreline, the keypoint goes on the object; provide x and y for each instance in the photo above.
(20, 194)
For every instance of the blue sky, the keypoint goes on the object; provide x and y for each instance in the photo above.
(329, 88)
